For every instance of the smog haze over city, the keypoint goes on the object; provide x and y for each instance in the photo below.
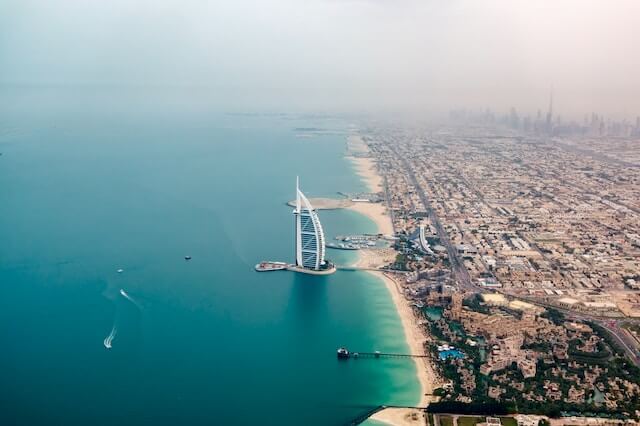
(353, 55)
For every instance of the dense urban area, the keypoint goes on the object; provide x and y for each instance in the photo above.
(519, 245)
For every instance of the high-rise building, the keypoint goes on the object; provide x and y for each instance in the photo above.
(310, 241)
(549, 123)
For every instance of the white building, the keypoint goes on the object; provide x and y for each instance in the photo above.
(310, 242)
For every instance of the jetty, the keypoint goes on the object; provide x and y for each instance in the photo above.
(344, 353)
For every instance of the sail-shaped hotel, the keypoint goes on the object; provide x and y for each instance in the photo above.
(310, 246)
(310, 241)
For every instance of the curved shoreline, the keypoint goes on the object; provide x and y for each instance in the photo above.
(414, 336)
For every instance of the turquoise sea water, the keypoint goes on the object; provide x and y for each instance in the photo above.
(91, 183)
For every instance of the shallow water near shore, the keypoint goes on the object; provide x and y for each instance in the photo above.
(90, 184)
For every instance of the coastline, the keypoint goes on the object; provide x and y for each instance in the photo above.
(377, 213)
(414, 336)
(365, 167)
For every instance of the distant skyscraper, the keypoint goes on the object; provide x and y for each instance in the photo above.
(550, 114)
(309, 234)
(514, 119)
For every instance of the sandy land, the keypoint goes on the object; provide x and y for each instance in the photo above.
(414, 335)
(356, 145)
(400, 417)
(364, 165)
(366, 168)
(377, 212)
(375, 258)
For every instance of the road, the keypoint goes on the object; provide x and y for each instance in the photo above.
(465, 282)
(457, 266)
(611, 325)
(624, 339)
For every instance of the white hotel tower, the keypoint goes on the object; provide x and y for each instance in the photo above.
(309, 238)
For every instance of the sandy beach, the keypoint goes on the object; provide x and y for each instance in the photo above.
(377, 213)
(365, 167)
(373, 258)
(400, 417)
(414, 336)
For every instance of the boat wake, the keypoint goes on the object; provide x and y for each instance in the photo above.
(109, 339)
(119, 305)
(130, 299)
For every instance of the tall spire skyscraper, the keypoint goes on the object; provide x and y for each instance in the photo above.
(550, 113)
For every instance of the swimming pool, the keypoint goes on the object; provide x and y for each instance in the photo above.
(451, 353)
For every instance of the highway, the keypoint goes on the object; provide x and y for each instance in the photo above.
(465, 282)
(457, 266)
(611, 325)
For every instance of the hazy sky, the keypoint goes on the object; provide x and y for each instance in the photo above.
(338, 54)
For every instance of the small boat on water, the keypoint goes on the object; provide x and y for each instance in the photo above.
(187, 258)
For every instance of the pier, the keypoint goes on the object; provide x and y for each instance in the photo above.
(343, 353)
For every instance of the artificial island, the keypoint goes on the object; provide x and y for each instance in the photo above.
(309, 242)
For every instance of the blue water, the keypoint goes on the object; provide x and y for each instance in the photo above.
(451, 353)
(91, 182)
(434, 313)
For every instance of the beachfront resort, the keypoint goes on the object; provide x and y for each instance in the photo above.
(482, 346)
(511, 315)
(310, 242)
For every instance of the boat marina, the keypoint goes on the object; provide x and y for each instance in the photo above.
(358, 242)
